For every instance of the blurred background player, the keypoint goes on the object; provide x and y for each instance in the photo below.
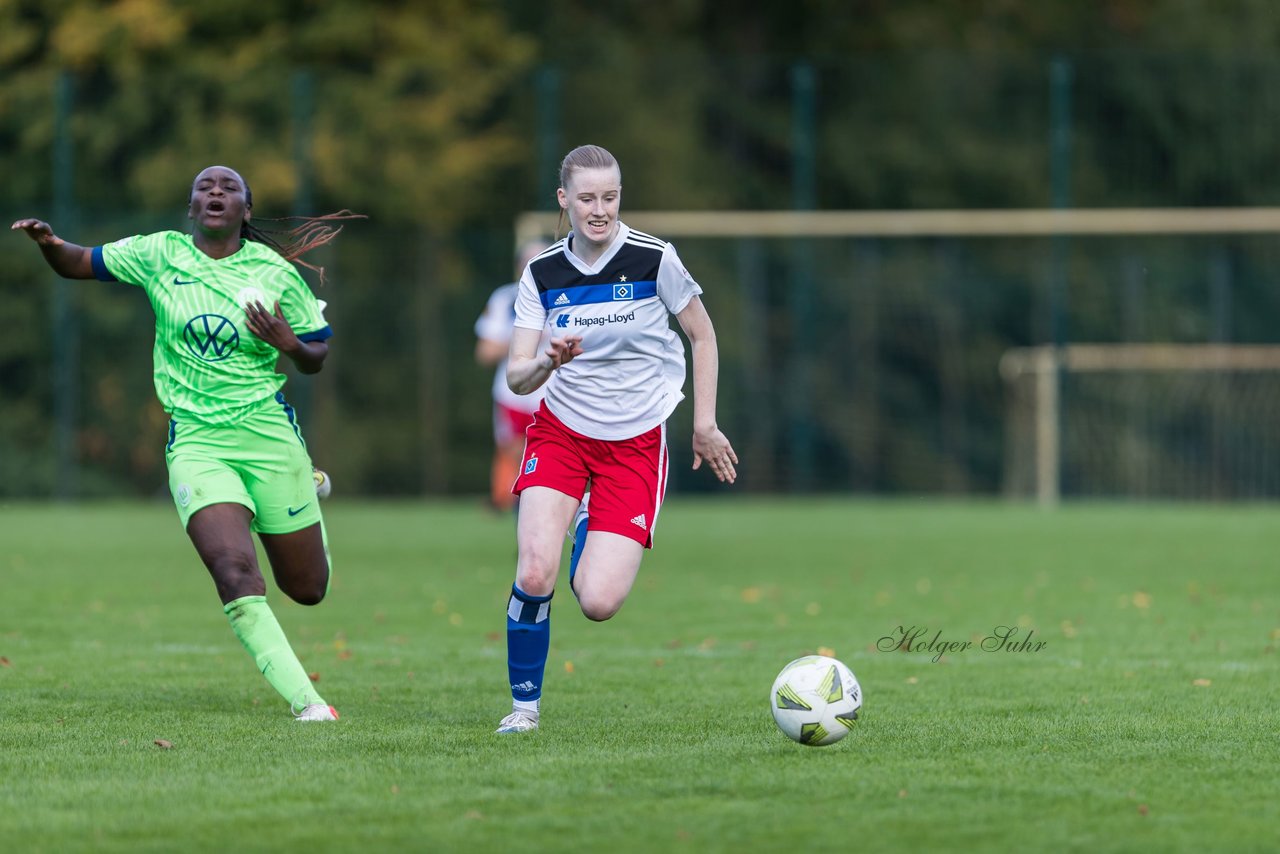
(227, 303)
(512, 413)
(612, 379)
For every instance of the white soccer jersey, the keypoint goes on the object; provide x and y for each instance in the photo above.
(495, 325)
(629, 377)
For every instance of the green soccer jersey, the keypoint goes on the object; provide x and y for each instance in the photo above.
(209, 367)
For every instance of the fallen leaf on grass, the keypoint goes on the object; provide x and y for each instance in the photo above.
(568, 667)
(1201, 683)
(1142, 809)
(163, 744)
(4, 662)
(314, 676)
(902, 793)
(474, 814)
(827, 651)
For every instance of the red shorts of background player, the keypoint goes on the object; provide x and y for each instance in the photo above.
(628, 476)
(509, 424)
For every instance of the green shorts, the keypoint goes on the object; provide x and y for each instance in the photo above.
(261, 462)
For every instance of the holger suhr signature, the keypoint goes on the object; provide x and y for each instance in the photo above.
(916, 639)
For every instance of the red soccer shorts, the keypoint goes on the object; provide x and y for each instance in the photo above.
(628, 476)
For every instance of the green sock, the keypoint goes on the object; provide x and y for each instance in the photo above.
(256, 626)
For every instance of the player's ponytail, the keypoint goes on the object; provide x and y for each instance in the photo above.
(292, 243)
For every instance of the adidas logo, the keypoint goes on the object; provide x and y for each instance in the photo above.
(563, 299)
(639, 520)
(524, 687)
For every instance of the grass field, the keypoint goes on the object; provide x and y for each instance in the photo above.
(1147, 721)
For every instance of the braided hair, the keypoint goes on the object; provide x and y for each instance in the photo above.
(292, 243)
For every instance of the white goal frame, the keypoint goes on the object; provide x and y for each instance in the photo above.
(1034, 222)
(1045, 362)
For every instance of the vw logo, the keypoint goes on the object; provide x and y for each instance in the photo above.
(211, 337)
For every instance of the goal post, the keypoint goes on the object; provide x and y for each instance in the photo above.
(1038, 222)
(1147, 414)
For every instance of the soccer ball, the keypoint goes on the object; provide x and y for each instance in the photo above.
(323, 485)
(815, 700)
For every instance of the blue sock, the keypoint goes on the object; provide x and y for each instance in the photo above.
(579, 540)
(528, 639)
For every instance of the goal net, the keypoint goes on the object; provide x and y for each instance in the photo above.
(1142, 420)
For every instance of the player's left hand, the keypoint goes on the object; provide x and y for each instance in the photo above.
(272, 328)
(713, 446)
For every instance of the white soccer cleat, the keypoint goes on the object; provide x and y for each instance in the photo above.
(323, 485)
(520, 720)
(317, 712)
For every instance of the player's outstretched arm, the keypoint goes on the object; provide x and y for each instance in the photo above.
(527, 369)
(708, 442)
(67, 259)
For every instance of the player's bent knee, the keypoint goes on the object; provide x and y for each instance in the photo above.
(308, 592)
(309, 596)
(599, 609)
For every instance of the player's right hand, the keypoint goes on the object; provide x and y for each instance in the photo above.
(38, 230)
(562, 350)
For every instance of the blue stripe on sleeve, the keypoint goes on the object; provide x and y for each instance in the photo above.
(100, 271)
(589, 294)
(321, 334)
